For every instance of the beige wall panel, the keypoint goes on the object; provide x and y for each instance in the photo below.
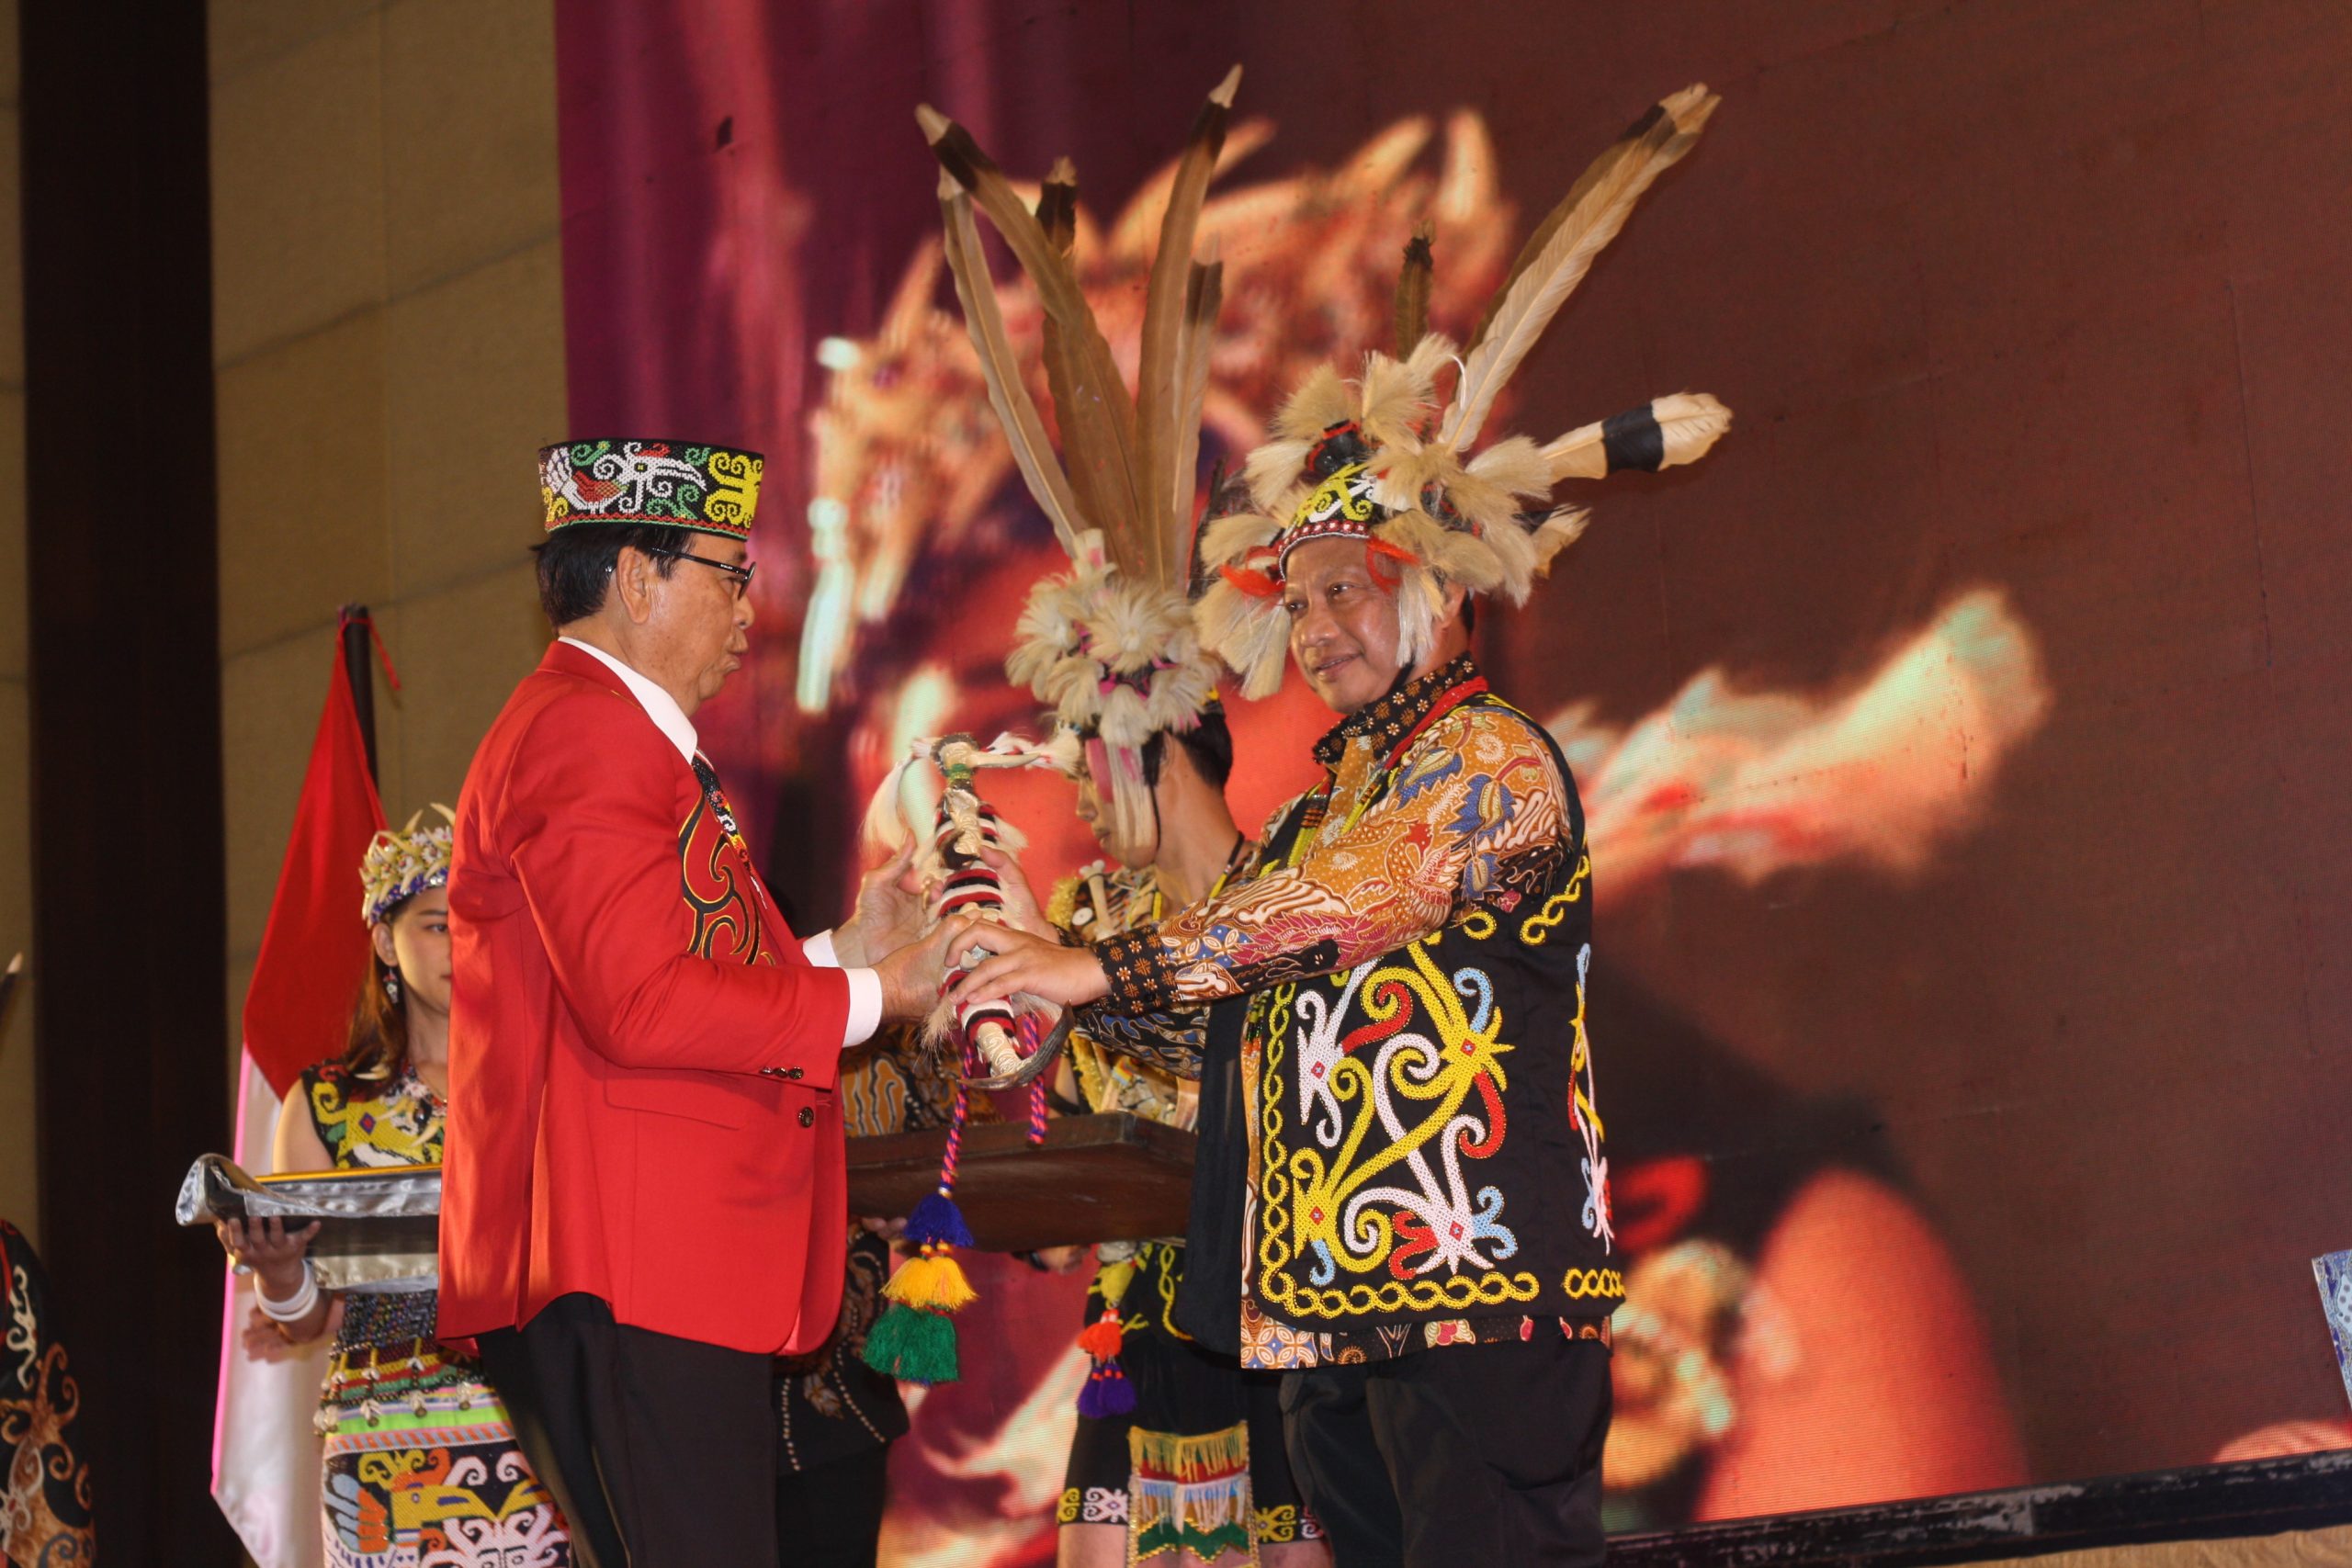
(240, 976)
(270, 702)
(19, 1174)
(475, 388)
(240, 34)
(389, 325)
(297, 189)
(461, 652)
(470, 105)
(15, 652)
(9, 75)
(302, 485)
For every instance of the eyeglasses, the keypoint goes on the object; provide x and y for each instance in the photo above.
(741, 574)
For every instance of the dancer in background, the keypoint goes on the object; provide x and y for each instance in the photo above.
(1190, 1455)
(1178, 1451)
(422, 1464)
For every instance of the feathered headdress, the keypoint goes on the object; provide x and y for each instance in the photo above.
(909, 457)
(1110, 644)
(1387, 459)
(399, 866)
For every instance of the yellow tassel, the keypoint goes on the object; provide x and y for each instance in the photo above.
(934, 1283)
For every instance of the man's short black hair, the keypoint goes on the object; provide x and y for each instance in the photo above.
(576, 563)
(1209, 745)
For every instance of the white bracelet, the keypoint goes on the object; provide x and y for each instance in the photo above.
(296, 1309)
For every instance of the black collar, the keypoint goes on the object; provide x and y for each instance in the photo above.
(1407, 706)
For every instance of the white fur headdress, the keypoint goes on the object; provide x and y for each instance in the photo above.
(1387, 458)
(1109, 643)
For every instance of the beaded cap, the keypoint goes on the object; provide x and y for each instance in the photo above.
(685, 484)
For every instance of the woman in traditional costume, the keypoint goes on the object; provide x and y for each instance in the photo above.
(422, 1464)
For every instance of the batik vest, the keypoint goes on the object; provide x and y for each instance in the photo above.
(1427, 1141)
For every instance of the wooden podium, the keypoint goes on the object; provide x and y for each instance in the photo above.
(1108, 1176)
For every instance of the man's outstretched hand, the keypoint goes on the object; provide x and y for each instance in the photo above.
(888, 913)
(1071, 975)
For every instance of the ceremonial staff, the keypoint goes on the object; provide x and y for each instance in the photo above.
(991, 1045)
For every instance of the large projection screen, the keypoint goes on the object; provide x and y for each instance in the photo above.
(1963, 741)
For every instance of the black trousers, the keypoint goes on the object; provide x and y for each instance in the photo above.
(659, 1451)
(1476, 1453)
(831, 1516)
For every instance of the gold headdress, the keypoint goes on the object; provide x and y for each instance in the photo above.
(1110, 645)
(1385, 459)
(399, 866)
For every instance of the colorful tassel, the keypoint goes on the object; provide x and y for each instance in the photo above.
(932, 1283)
(1107, 1393)
(912, 1346)
(1103, 1337)
(937, 1222)
(1107, 1389)
(915, 1339)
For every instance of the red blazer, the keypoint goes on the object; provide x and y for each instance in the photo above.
(641, 1061)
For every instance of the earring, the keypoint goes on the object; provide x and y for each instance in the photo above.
(392, 987)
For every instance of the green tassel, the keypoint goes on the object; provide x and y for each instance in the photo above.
(912, 1346)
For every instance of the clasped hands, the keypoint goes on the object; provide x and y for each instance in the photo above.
(1024, 954)
(885, 933)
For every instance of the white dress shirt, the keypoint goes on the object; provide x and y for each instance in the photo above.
(864, 984)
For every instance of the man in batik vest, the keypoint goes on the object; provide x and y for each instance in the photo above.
(1424, 1230)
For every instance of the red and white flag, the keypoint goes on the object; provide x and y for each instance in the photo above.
(266, 1453)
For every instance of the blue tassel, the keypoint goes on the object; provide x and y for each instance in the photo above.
(1107, 1393)
(939, 1222)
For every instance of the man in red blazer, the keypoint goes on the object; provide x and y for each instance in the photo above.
(643, 1197)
